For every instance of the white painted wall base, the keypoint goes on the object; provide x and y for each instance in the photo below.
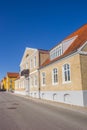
(85, 97)
(68, 97)
(20, 92)
(34, 94)
(78, 98)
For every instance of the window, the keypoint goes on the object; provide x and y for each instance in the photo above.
(56, 52)
(43, 78)
(35, 61)
(66, 72)
(31, 63)
(26, 65)
(10, 80)
(31, 81)
(59, 51)
(35, 80)
(55, 76)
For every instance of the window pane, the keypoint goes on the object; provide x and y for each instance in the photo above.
(68, 75)
(43, 79)
(65, 76)
(35, 61)
(66, 72)
(55, 76)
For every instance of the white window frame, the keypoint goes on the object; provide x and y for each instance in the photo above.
(63, 73)
(43, 78)
(35, 81)
(53, 76)
(35, 64)
(56, 52)
(31, 63)
(31, 81)
(26, 65)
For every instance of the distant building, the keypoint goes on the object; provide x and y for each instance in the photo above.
(1, 85)
(28, 82)
(59, 74)
(4, 83)
(9, 81)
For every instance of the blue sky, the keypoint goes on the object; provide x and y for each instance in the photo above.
(37, 24)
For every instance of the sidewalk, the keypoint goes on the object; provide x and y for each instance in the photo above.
(56, 104)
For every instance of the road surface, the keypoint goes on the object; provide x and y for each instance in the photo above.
(18, 113)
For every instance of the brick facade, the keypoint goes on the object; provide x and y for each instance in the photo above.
(59, 74)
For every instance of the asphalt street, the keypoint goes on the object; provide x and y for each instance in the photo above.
(18, 113)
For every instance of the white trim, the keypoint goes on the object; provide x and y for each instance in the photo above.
(25, 54)
(54, 84)
(35, 80)
(69, 39)
(42, 79)
(33, 72)
(27, 65)
(31, 82)
(63, 77)
(22, 77)
(33, 54)
(66, 57)
(82, 46)
(83, 52)
(65, 41)
(66, 82)
(57, 50)
(31, 63)
(35, 63)
(57, 61)
(28, 48)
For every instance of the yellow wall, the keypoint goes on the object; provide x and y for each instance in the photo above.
(84, 71)
(20, 84)
(83, 62)
(4, 83)
(10, 84)
(74, 84)
(33, 71)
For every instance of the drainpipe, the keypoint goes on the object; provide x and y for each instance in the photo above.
(39, 76)
(39, 82)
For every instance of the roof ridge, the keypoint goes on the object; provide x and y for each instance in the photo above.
(77, 43)
(78, 31)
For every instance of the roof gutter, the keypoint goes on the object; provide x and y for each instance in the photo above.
(64, 57)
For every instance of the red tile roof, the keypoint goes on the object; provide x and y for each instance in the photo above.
(17, 78)
(81, 34)
(43, 51)
(80, 40)
(12, 75)
(4, 77)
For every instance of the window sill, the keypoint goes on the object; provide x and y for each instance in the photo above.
(43, 85)
(54, 84)
(66, 82)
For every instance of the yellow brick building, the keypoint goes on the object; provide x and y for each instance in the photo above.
(10, 80)
(30, 63)
(59, 74)
(64, 75)
(4, 83)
